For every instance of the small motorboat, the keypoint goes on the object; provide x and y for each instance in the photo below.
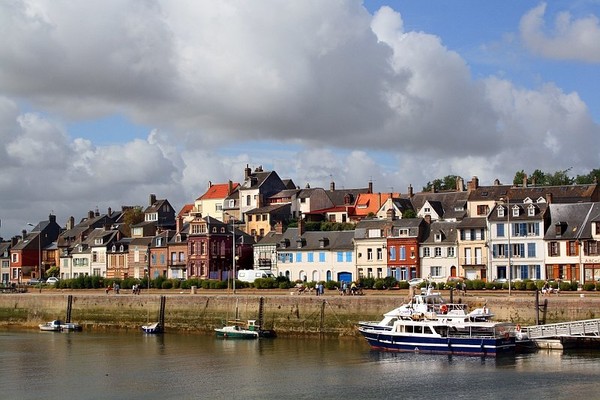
(58, 326)
(238, 330)
(152, 328)
(52, 326)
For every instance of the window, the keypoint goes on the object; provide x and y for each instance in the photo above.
(515, 211)
(321, 257)
(500, 211)
(340, 256)
(249, 217)
(531, 211)
(15, 257)
(553, 249)
(370, 254)
(379, 254)
(231, 203)
(402, 253)
(403, 232)
(530, 249)
(310, 257)
(435, 271)
(437, 237)
(572, 248)
(499, 230)
(482, 209)
(437, 252)
(592, 248)
(451, 252)
(393, 253)
(298, 257)
(248, 200)
(98, 241)
(218, 207)
(348, 256)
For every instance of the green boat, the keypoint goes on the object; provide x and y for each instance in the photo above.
(239, 330)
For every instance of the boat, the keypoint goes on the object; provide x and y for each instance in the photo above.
(443, 336)
(152, 328)
(52, 326)
(237, 329)
(59, 326)
(430, 305)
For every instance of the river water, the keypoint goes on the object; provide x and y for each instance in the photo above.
(83, 365)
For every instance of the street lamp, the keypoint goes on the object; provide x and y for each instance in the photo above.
(39, 251)
(509, 248)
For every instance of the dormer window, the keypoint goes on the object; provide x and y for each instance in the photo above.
(98, 241)
(515, 211)
(531, 211)
(121, 248)
(500, 211)
(114, 248)
(437, 237)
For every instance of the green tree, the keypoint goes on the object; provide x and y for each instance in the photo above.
(409, 214)
(446, 183)
(559, 178)
(592, 177)
(132, 216)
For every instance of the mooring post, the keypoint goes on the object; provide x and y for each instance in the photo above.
(537, 307)
(322, 323)
(69, 307)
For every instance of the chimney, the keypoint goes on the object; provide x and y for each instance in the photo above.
(410, 192)
(370, 186)
(109, 212)
(525, 180)
(496, 182)
(332, 186)
(90, 214)
(209, 184)
(152, 199)
(52, 218)
(279, 227)
(247, 171)
(391, 214)
(24, 232)
(70, 222)
(97, 212)
(300, 226)
(460, 184)
(229, 187)
(13, 241)
(549, 198)
(428, 218)
(533, 181)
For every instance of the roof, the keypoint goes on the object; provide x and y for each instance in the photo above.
(575, 220)
(312, 240)
(272, 208)
(472, 222)
(447, 229)
(559, 194)
(448, 205)
(219, 191)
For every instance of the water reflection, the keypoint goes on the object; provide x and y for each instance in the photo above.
(171, 366)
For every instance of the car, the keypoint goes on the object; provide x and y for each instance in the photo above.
(416, 281)
(35, 281)
(500, 280)
(52, 280)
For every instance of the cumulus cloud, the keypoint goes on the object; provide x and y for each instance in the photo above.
(317, 91)
(571, 39)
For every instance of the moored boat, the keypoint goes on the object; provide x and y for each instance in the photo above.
(239, 330)
(443, 337)
(152, 328)
(58, 326)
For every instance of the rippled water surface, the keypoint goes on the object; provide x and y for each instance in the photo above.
(85, 365)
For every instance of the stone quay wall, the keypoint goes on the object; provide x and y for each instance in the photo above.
(288, 315)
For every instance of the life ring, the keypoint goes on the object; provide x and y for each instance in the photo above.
(444, 309)
(518, 328)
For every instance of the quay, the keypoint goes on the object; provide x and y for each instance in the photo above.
(286, 313)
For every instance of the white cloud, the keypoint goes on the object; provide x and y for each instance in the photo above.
(571, 39)
(318, 91)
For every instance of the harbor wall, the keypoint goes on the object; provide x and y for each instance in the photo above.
(288, 315)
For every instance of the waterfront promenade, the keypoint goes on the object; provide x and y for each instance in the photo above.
(286, 311)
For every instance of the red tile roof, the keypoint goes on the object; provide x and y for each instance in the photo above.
(218, 191)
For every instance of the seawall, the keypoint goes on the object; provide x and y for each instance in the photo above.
(288, 315)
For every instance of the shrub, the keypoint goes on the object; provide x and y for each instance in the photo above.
(476, 284)
(403, 285)
(379, 284)
(332, 285)
(531, 285)
(366, 283)
(566, 286)
(167, 284)
(589, 286)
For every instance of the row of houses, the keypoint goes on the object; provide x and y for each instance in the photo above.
(479, 232)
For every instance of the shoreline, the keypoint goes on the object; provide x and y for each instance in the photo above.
(286, 313)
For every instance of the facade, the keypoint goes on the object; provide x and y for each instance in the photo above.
(262, 220)
(35, 252)
(438, 251)
(210, 204)
(403, 241)
(5, 262)
(370, 243)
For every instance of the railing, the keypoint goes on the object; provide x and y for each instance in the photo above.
(589, 327)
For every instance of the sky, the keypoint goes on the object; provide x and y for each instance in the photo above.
(103, 102)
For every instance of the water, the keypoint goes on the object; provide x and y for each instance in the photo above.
(82, 365)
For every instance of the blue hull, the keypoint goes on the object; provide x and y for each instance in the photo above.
(480, 346)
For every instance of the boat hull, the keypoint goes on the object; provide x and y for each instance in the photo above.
(480, 346)
(229, 334)
(153, 328)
